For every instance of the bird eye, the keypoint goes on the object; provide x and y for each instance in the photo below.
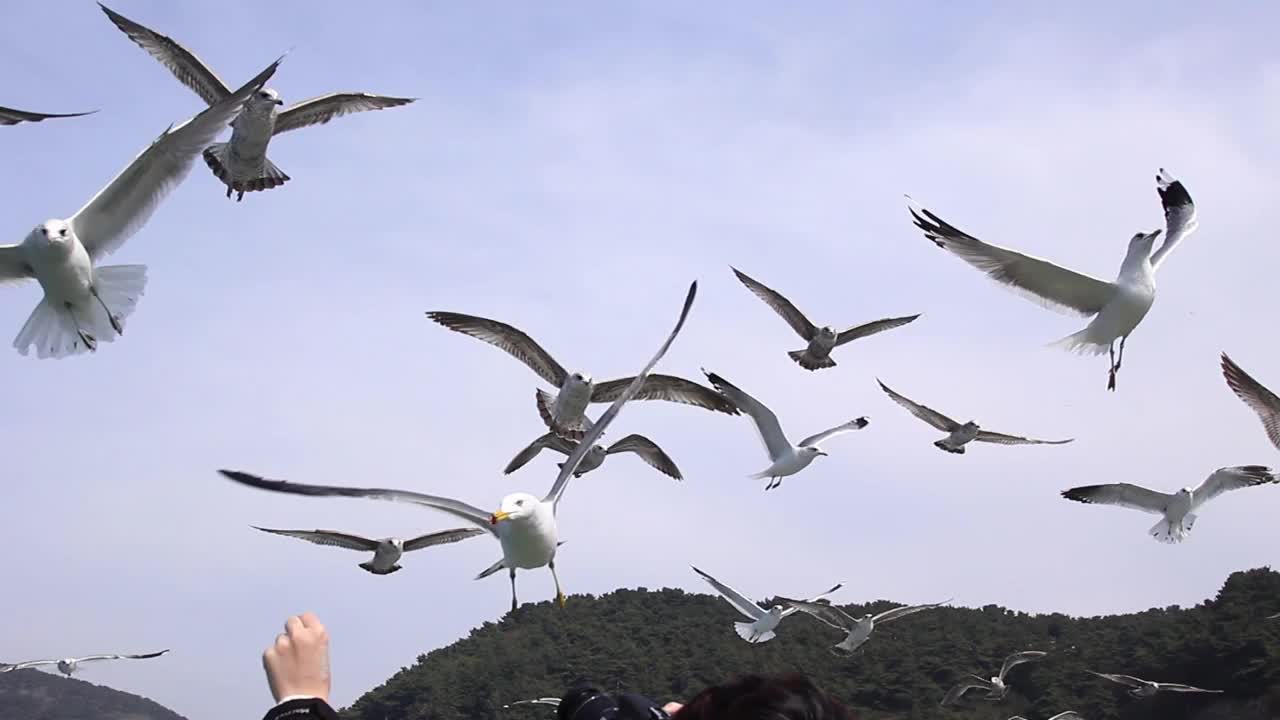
(63, 232)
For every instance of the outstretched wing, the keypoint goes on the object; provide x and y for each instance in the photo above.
(12, 116)
(666, 387)
(775, 441)
(443, 537)
(1176, 687)
(1179, 214)
(872, 328)
(330, 538)
(501, 335)
(143, 656)
(1018, 658)
(322, 109)
(183, 63)
(649, 452)
(823, 611)
(855, 424)
(1053, 286)
(457, 508)
(1254, 394)
(24, 665)
(13, 266)
(553, 702)
(780, 305)
(735, 598)
(1122, 494)
(954, 694)
(1126, 680)
(549, 441)
(905, 610)
(593, 434)
(1230, 478)
(1002, 439)
(925, 413)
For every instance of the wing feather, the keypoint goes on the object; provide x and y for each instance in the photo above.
(767, 426)
(905, 610)
(1122, 494)
(780, 305)
(823, 611)
(13, 265)
(1179, 214)
(142, 656)
(330, 538)
(872, 328)
(443, 537)
(1254, 394)
(549, 441)
(505, 337)
(1002, 439)
(1018, 658)
(925, 413)
(1230, 478)
(739, 601)
(189, 69)
(13, 116)
(322, 109)
(669, 388)
(649, 452)
(852, 425)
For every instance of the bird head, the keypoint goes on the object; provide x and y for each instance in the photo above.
(827, 333)
(811, 451)
(263, 100)
(1144, 241)
(579, 378)
(53, 232)
(397, 543)
(971, 426)
(515, 506)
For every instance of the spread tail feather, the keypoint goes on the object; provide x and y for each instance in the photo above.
(1081, 344)
(215, 156)
(747, 630)
(942, 445)
(1166, 532)
(809, 362)
(575, 430)
(53, 329)
(369, 566)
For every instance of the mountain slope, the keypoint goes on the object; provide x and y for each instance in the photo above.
(36, 695)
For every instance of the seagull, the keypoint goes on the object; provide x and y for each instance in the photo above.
(386, 551)
(1117, 307)
(553, 702)
(1177, 510)
(242, 164)
(960, 435)
(11, 116)
(564, 413)
(524, 525)
(1068, 715)
(995, 687)
(787, 459)
(763, 622)
(67, 666)
(642, 446)
(1256, 396)
(857, 630)
(1145, 688)
(62, 255)
(822, 340)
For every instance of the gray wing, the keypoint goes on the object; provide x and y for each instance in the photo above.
(775, 441)
(780, 305)
(905, 610)
(124, 206)
(825, 612)
(549, 441)
(1002, 439)
(739, 601)
(954, 694)
(1040, 280)
(1261, 400)
(855, 424)
(322, 109)
(1230, 478)
(456, 508)
(611, 412)
(331, 538)
(872, 328)
(13, 266)
(12, 116)
(501, 335)
(24, 665)
(1068, 715)
(443, 537)
(925, 413)
(649, 452)
(142, 656)
(553, 702)
(1178, 687)
(1126, 680)
(1018, 658)
(666, 387)
(1179, 214)
(1122, 494)
(183, 63)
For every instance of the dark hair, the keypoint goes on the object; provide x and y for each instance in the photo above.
(753, 697)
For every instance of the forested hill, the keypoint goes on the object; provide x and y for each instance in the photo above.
(36, 695)
(669, 644)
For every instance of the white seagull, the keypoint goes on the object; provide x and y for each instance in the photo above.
(553, 702)
(1117, 307)
(84, 303)
(959, 434)
(242, 164)
(12, 116)
(565, 412)
(763, 622)
(67, 666)
(1177, 510)
(787, 459)
(857, 630)
(1068, 715)
(995, 687)
(386, 551)
(646, 449)
(1254, 394)
(822, 340)
(524, 525)
(1146, 688)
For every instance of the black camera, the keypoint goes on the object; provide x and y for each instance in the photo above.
(584, 702)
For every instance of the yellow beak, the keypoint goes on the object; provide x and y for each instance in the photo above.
(498, 517)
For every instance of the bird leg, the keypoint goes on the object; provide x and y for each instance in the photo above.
(240, 196)
(115, 320)
(560, 599)
(1111, 373)
(1120, 359)
(512, 572)
(89, 341)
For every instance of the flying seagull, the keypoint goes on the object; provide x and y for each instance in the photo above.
(960, 435)
(1146, 688)
(11, 116)
(386, 551)
(553, 702)
(1068, 715)
(1117, 307)
(995, 687)
(857, 630)
(763, 622)
(1261, 400)
(564, 413)
(646, 449)
(84, 303)
(524, 525)
(822, 340)
(787, 459)
(1177, 510)
(67, 666)
(242, 164)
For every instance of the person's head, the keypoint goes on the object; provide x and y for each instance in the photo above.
(753, 697)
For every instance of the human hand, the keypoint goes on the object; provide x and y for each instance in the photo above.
(298, 663)
(672, 708)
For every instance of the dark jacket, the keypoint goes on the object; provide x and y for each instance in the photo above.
(305, 709)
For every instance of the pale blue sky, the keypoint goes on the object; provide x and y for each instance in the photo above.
(570, 168)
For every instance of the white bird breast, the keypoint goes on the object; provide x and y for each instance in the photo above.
(530, 541)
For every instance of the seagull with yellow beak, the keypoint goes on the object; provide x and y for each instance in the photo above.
(524, 525)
